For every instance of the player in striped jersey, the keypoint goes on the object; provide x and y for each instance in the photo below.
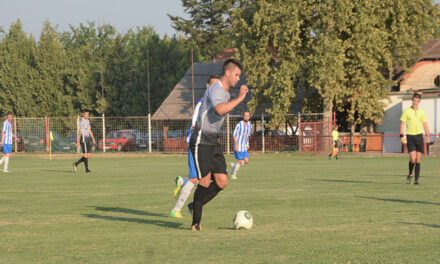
(7, 136)
(242, 132)
(185, 185)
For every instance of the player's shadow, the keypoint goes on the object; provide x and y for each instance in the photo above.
(421, 224)
(343, 181)
(398, 200)
(160, 223)
(126, 211)
(65, 171)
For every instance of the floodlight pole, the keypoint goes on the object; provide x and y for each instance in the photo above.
(102, 105)
(192, 75)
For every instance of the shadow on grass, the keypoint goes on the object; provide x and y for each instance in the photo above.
(160, 223)
(397, 200)
(127, 211)
(65, 171)
(421, 224)
(344, 181)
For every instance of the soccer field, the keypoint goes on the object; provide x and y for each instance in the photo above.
(306, 210)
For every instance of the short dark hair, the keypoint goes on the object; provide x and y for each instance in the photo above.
(215, 76)
(86, 111)
(229, 63)
(417, 95)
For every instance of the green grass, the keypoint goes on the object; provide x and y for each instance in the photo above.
(306, 210)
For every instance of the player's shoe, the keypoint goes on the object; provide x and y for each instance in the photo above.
(196, 227)
(329, 156)
(178, 187)
(88, 171)
(190, 207)
(7, 171)
(75, 168)
(175, 214)
(408, 179)
(233, 177)
(416, 183)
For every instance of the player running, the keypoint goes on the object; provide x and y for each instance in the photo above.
(242, 132)
(335, 137)
(84, 136)
(7, 136)
(415, 119)
(205, 146)
(185, 185)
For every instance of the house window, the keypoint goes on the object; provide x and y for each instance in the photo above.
(437, 81)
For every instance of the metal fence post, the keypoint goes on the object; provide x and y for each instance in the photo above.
(47, 133)
(103, 132)
(77, 131)
(299, 132)
(15, 133)
(262, 134)
(149, 132)
(227, 134)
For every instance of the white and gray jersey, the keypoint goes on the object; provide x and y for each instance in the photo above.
(84, 126)
(209, 123)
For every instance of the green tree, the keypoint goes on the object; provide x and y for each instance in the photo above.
(339, 48)
(209, 25)
(17, 72)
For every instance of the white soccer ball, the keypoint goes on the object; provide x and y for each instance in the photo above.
(243, 220)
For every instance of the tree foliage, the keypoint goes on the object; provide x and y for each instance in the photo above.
(60, 74)
(209, 25)
(343, 49)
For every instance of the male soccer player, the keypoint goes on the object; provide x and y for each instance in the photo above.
(204, 144)
(185, 185)
(242, 132)
(335, 137)
(84, 136)
(415, 119)
(7, 142)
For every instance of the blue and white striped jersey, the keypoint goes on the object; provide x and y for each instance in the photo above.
(7, 129)
(242, 132)
(193, 121)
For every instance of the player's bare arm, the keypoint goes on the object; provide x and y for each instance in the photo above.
(79, 138)
(428, 138)
(93, 138)
(226, 107)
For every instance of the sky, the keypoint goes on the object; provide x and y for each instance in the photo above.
(123, 14)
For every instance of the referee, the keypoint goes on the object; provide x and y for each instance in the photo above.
(85, 136)
(415, 120)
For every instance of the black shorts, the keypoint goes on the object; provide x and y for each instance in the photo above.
(415, 143)
(336, 144)
(208, 158)
(86, 147)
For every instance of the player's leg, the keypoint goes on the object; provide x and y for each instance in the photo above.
(7, 151)
(83, 150)
(87, 155)
(218, 183)
(187, 187)
(202, 159)
(239, 156)
(419, 151)
(411, 145)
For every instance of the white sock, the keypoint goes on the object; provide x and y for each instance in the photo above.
(2, 159)
(5, 166)
(184, 194)
(235, 169)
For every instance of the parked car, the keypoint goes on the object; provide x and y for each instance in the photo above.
(141, 141)
(118, 141)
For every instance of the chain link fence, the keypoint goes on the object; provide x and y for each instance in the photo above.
(301, 132)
